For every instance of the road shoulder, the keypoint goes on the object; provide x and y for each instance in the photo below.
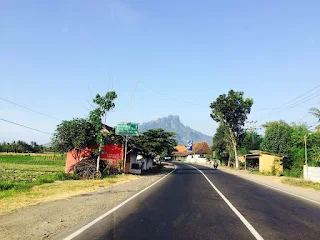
(275, 183)
(44, 221)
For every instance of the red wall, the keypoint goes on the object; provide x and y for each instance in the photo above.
(111, 152)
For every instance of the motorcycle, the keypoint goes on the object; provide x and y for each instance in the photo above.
(215, 165)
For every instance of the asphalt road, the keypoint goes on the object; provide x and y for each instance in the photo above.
(185, 205)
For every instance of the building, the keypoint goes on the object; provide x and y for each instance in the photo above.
(197, 155)
(139, 163)
(264, 161)
(112, 153)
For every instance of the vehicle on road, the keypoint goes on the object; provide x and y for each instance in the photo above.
(215, 164)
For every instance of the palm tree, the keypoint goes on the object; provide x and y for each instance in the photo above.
(315, 112)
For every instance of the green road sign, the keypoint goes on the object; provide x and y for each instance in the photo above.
(127, 129)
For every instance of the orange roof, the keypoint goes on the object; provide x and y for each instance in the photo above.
(201, 148)
(181, 148)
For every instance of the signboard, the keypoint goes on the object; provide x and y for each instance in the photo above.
(189, 145)
(127, 129)
(111, 152)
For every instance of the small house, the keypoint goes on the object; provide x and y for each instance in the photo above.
(264, 161)
(197, 155)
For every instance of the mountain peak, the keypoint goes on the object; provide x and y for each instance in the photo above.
(172, 124)
(174, 117)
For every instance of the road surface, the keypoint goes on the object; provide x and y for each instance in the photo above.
(185, 205)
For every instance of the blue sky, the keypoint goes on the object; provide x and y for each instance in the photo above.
(56, 54)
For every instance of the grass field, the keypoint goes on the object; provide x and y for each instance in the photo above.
(21, 172)
(29, 179)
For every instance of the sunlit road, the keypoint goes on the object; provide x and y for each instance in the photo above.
(185, 205)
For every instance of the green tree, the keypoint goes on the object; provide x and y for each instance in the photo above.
(75, 134)
(315, 112)
(277, 138)
(232, 110)
(104, 105)
(154, 142)
(251, 141)
(221, 144)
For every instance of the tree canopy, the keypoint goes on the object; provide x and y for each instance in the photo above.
(154, 142)
(75, 134)
(250, 141)
(221, 144)
(103, 105)
(315, 112)
(23, 147)
(277, 138)
(232, 110)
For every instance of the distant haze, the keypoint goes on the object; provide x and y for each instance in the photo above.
(173, 124)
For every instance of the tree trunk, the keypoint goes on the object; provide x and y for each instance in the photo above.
(234, 145)
(98, 160)
(236, 155)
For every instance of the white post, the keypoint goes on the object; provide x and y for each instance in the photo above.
(305, 150)
(125, 153)
(98, 160)
(306, 157)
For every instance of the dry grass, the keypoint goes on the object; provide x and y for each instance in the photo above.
(58, 190)
(301, 183)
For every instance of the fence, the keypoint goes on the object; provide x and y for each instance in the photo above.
(311, 173)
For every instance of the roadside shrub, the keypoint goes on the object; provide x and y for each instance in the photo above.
(46, 179)
(294, 172)
(6, 185)
(61, 176)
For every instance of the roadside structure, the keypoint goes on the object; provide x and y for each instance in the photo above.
(197, 155)
(264, 161)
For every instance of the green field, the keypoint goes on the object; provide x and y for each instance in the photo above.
(19, 173)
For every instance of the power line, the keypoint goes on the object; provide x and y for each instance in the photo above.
(314, 125)
(6, 100)
(304, 100)
(25, 126)
(293, 103)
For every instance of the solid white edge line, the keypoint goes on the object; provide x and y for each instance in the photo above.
(266, 185)
(85, 227)
(242, 218)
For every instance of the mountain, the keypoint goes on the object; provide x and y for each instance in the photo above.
(173, 124)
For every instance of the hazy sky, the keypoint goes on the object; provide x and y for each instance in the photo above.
(177, 55)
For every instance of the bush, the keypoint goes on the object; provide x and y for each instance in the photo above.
(61, 176)
(294, 172)
(6, 185)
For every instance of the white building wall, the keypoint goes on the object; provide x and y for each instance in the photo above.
(196, 159)
(149, 163)
(311, 173)
(133, 159)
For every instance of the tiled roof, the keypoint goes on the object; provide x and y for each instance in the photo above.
(201, 148)
(181, 148)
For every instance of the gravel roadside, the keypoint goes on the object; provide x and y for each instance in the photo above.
(46, 221)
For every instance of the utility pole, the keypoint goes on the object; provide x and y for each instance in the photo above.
(125, 152)
(252, 128)
(305, 150)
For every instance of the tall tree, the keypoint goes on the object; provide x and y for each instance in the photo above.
(154, 142)
(104, 105)
(251, 141)
(232, 110)
(315, 112)
(277, 138)
(221, 144)
(75, 134)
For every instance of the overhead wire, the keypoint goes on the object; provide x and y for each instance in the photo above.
(32, 110)
(18, 124)
(294, 103)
